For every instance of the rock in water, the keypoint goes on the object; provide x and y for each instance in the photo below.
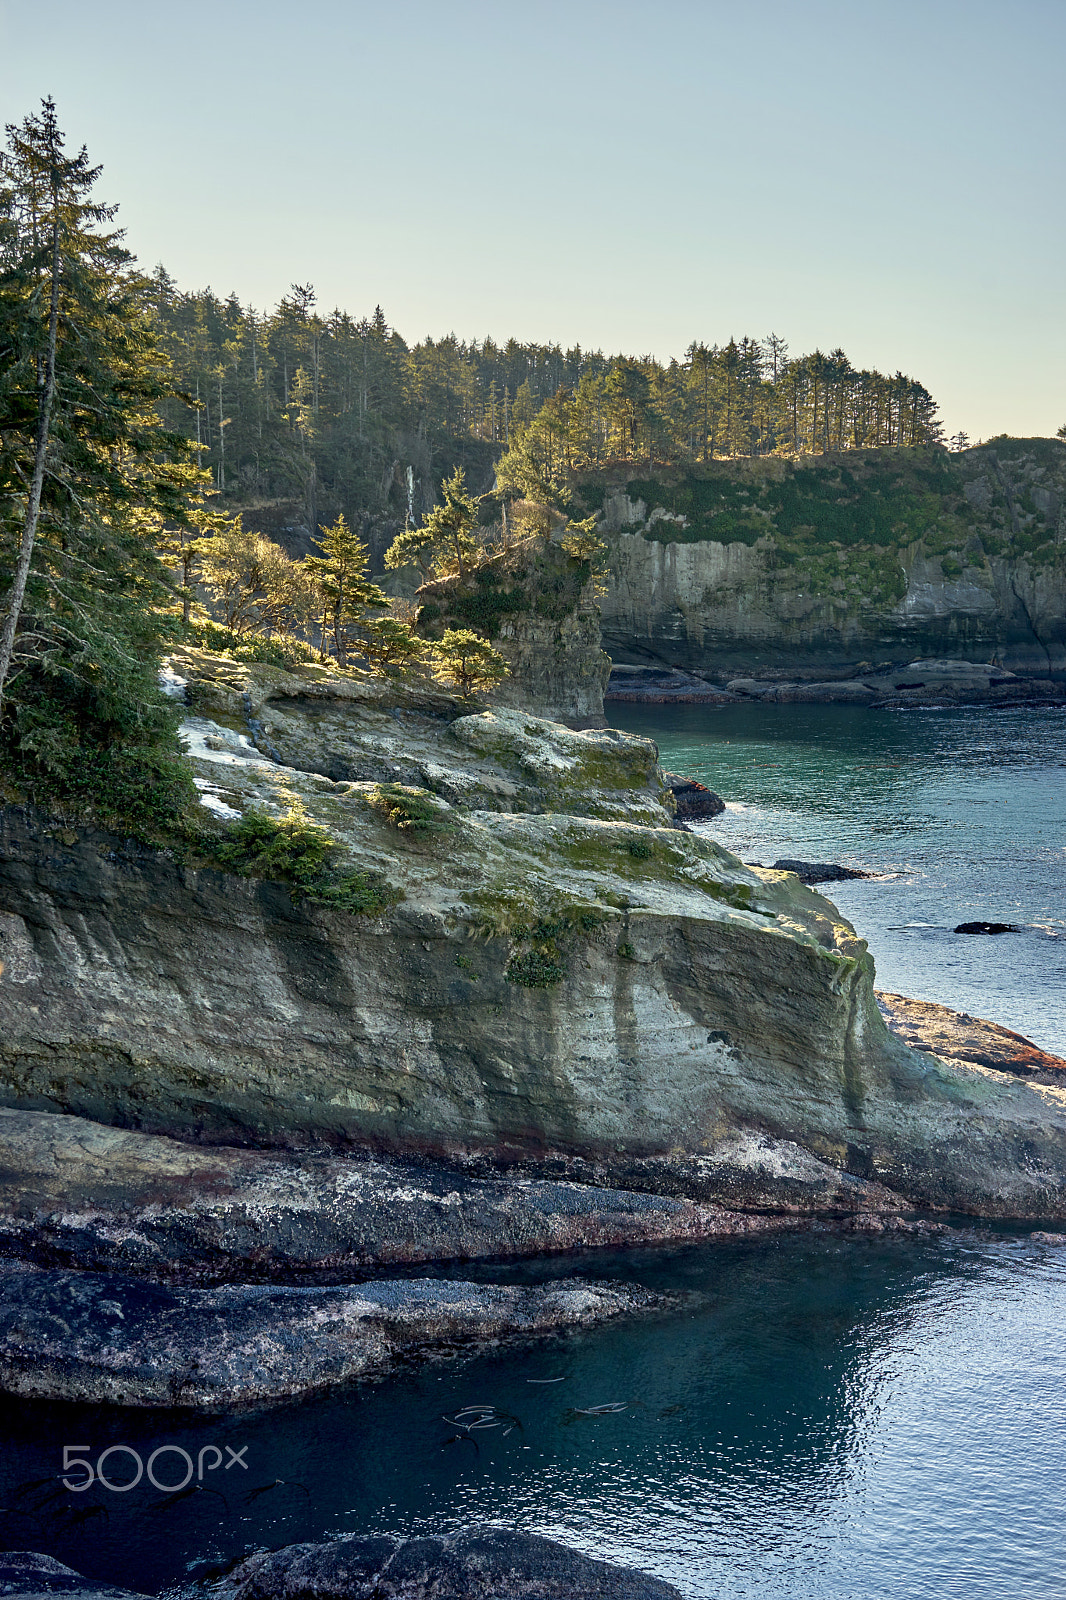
(104, 1339)
(483, 1563)
(960, 1037)
(819, 871)
(693, 800)
(987, 927)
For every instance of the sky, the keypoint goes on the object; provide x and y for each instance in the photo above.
(629, 176)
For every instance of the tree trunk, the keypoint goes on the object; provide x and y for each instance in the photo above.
(46, 394)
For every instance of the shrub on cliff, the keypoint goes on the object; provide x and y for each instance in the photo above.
(302, 853)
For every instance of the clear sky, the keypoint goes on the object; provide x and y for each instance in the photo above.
(883, 176)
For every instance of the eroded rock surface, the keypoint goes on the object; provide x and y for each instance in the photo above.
(485, 1563)
(871, 557)
(76, 1193)
(594, 998)
(960, 1037)
(109, 1339)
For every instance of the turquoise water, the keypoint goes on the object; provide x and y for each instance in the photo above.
(963, 810)
(816, 1418)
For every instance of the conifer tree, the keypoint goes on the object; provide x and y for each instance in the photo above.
(87, 473)
(468, 661)
(341, 574)
(445, 544)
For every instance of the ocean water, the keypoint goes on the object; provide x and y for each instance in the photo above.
(961, 811)
(812, 1417)
(815, 1418)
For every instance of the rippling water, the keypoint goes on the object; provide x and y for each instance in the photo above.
(962, 809)
(838, 1419)
(818, 1418)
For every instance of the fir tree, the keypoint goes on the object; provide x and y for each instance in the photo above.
(87, 474)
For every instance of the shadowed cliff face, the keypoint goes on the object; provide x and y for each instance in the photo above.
(857, 557)
(599, 996)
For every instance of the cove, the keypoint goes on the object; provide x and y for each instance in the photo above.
(816, 1416)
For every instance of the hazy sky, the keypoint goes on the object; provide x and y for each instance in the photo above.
(887, 177)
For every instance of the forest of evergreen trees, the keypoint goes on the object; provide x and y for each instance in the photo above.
(344, 414)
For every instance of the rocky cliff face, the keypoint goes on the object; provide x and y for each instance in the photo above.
(830, 561)
(549, 973)
(540, 608)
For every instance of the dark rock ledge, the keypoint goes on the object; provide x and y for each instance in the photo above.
(76, 1193)
(99, 1338)
(485, 1563)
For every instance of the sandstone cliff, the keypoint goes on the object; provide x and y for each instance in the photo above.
(834, 560)
(544, 972)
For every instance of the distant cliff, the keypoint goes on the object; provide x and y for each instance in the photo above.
(839, 559)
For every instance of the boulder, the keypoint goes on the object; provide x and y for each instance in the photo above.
(693, 800)
(987, 927)
(485, 1563)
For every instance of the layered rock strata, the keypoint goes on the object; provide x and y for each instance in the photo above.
(550, 976)
(738, 567)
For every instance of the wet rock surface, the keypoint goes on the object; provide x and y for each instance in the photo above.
(485, 1563)
(75, 1193)
(960, 1037)
(692, 800)
(100, 1338)
(31, 1575)
(664, 686)
(987, 927)
(820, 871)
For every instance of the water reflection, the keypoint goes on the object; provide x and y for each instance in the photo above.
(815, 1411)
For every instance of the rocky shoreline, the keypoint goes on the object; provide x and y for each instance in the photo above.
(103, 1339)
(240, 1128)
(888, 686)
(477, 1563)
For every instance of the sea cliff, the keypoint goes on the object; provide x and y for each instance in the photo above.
(869, 557)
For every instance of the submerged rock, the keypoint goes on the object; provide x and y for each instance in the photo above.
(485, 1563)
(100, 1338)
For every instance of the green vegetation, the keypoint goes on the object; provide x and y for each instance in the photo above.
(88, 474)
(409, 811)
(446, 543)
(535, 969)
(322, 411)
(467, 661)
(300, 852)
